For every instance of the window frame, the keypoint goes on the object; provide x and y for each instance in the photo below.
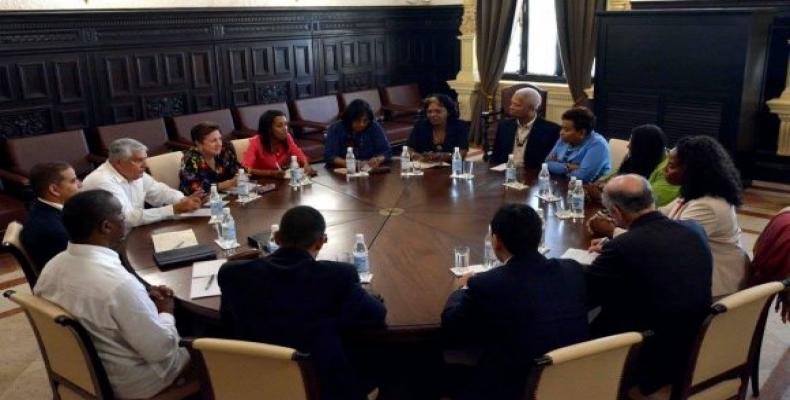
(523, 74)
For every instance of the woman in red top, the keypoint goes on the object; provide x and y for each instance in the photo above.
(269, 153)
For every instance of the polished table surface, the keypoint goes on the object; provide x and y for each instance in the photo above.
(411, 225)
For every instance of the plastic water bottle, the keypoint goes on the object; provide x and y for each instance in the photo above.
(510, 170)
(577, 200)
(228, 225)
(361, 260)
(244, 184)
(296, 173)
(215, 203)
(272, 245)
(405, 161)
(544, 181)
(351, 161)
(489, 257)
(457, 163)
(569, 195)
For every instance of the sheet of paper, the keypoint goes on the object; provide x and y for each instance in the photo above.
(200, 212)
(204, 286)
(207, 268)
(207, 204)
(428, 165)
(472, 269)
(249, 198)
(365, 277)
(173, 240)
(582, 256)
(499, 168)
(516, 185)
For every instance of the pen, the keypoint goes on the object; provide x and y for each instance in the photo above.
(210, 281)
(181, 243)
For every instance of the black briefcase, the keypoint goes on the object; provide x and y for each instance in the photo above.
(181, 256)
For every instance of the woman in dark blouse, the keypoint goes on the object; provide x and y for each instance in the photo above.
(356, 129)
(211, 160)
(435, 137)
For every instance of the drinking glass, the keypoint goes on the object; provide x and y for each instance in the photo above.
(469, 169)
(461, 257)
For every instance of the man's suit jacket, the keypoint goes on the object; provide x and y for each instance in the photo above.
(516, 313)
(43, 234)
(542, 137)
(290, 299)
(656, 276)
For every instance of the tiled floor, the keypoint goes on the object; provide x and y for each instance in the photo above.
(23, 377)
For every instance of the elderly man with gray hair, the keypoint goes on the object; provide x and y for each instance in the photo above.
(656, 276)
(123, 175)
(527, 136)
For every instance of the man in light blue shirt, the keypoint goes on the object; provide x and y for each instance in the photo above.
(580, 151)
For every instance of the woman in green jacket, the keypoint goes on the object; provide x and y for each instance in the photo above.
(647, 156)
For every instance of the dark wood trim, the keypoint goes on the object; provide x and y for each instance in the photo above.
(63, 70)
(706, 4)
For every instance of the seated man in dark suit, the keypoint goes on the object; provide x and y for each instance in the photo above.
(528, 137)
(656, 276)
(290, 299)
(43, 233)
(519, 311)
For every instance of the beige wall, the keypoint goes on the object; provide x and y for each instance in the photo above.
(105, 4)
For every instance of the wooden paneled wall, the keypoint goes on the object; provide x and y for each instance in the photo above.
(66, 70)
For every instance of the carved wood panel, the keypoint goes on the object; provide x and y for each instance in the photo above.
(160, 83)
(65, 70)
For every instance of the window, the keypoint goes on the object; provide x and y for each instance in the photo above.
(534, 50)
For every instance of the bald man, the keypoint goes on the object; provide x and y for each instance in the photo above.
(527, 136)
(656, 276)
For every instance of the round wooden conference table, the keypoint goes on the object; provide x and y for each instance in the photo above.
(411, 225)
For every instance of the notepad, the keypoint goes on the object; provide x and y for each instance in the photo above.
(499, 168)
(204, 279)
(429, 165)
(581, 256)
(200, 212)
(173, 240)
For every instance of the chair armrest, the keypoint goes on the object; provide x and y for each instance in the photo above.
(309, 124)
(95, 159)
(14, 178)
(178, 145)
(400, 108)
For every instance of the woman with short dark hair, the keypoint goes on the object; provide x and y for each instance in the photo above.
(434, 137)
(356, 129)
(210, 160)
(269, 153)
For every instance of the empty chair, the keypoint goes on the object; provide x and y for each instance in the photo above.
(73, 365)
(618, 149)
(598, 369)
(396, 131)
(312, 116)
(12, 244)
(241, 370)
(402, 102)
(151, 133)
(248, 117)
(11, 209)
(726, 348)
(182, 124)
(165, 167)
(25, 152)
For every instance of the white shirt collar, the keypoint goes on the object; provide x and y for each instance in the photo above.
(528, 125)
(115, 174)
(51, 204)
(90, 250)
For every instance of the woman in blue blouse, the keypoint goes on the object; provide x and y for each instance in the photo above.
(580, 151)
(358, 130)
(435, 137)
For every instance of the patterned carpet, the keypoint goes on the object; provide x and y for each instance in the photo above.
(23, 377)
